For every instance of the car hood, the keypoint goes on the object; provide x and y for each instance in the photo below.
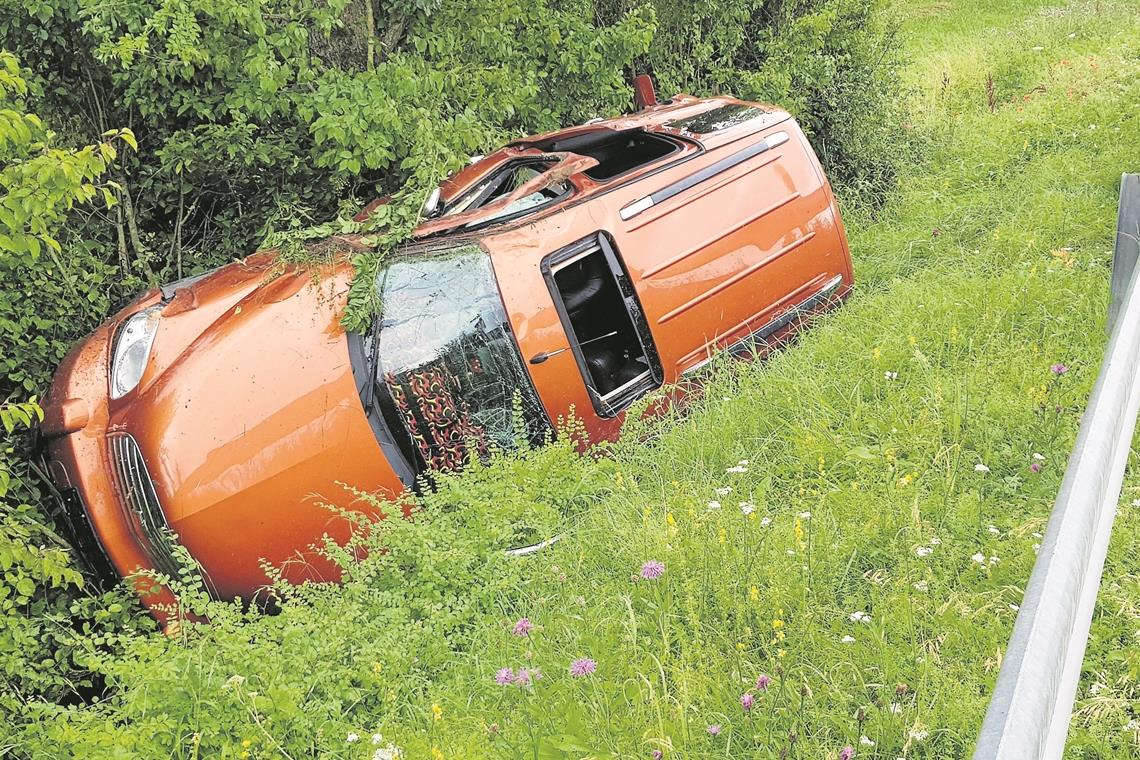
(249, 417)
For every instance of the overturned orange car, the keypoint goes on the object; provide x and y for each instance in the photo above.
(574, 271)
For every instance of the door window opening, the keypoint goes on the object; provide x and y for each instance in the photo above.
(604, 323)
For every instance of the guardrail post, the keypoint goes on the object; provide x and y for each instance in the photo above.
(1029, 712)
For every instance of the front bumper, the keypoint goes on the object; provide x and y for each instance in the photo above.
(78, 461)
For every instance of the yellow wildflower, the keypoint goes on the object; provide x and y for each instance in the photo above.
(436, 712)
(436, 753)
(876, 353)
(777, 624)
(246, 742)
(721, 535)
(754, 594)
(670, 520)
(780, 653)
(377, 667)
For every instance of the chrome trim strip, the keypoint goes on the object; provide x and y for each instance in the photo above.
(773, 140)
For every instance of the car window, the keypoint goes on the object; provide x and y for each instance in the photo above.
(504, 182)
(448, 360)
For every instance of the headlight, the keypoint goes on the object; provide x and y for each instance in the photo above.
(132, 349)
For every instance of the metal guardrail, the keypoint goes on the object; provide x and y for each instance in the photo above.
(1029, 712)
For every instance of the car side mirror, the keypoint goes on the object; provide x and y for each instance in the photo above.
(431, 205)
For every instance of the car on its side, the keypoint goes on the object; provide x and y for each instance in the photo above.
(574, 271)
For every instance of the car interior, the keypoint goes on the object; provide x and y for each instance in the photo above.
(616, 152)
(603, 328)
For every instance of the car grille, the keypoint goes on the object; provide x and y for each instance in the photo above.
(136, 489)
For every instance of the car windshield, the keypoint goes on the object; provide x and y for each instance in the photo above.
(504, 182)
(449, 366)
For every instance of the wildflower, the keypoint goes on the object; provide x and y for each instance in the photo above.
(747, 507)
(858, 616)
(746, 700)
(714, 729)
(924, 551)
(352, 738)
(993, 529)
(436, 712)
(866, 742)
(1035, 467)
(891, 375)
(737, 469)
(1059, 369)
(918, 733)
(714, 505)
(583, 666)
(524, 677)
(766, 521)
(377, 738)
(247, 742)
(754, 594)
(979, 467)
(233, 681)
(979, 558)
(781, 653)
(725, 491)
(658, 754)
(804, 515)
(922, 586)
(848, 640)
(763, 682)
(504, 676)
(995, 560)
(847, 753)
(1038, 457)
(390, 752)
(436, 753)
(522, 627)
(935, 541)
(743, 462)
(652, 570)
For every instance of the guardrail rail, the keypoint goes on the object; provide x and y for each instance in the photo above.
(1029, 712)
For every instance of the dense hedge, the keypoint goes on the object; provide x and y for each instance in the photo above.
(255, 116)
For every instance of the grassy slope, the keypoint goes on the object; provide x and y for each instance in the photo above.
(988, 266)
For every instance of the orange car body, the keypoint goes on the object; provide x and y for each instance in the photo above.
(653, 242)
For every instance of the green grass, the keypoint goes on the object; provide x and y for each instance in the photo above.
(886, 449)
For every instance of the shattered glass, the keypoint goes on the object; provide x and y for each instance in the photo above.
(448, 359)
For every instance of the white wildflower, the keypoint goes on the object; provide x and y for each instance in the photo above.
(737, 469)
(995, 560)
(922, 586)
(979, 467)
(352, 738)
(994, 530)
(765, 522)
(891, 375)
(924, 551)
(1038, 457)
(233, 681)
(935, 541)
(714, 505)
(790, 552)
(858, 616)
(747, 507)
(919, 734)
(743, 462)
(725, 491)
(866, 742)
(377, 738)
(848, 640)
(804, 515)
(391, 752)
(979, 558)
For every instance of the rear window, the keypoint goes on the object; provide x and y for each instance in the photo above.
(717, 119)
(450, 374)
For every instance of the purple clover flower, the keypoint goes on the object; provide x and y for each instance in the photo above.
(746, 700)
(523, 677)
(658, 754)
(505, 676)
(1059, 368)
(652, 570)
(522, 627)
(714, 729)
(1035, 467)
(847, 753)
(763, 682)
(583, 666)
